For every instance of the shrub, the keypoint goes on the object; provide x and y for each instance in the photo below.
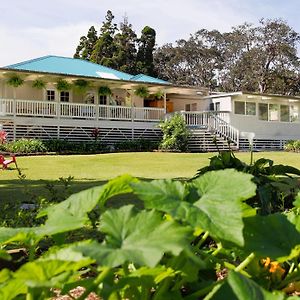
(25, 146)
(175, 134)
(64, 146)
(136, 145)
(292, 145)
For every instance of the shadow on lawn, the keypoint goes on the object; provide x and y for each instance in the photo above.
(19, 191)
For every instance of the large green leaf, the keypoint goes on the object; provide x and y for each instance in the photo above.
(297, 201)
(9, 235)
(12, 288)
(273, 236)
(220, 209)
(168, 196)
(238, 287)
(48, 273)
(72, 213)
(222, 195)
(81, 203)
(141, 238)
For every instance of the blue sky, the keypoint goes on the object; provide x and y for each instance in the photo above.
(33, 28)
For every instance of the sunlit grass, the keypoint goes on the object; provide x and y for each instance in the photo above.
(89, 170)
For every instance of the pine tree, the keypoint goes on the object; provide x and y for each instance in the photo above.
(105, 47)
(145, 63)
(86, 45)
(125, 41)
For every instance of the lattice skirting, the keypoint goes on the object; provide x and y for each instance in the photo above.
(78, 133)
(263, 144)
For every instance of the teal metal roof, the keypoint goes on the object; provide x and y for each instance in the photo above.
(78, 67)
(146, 78)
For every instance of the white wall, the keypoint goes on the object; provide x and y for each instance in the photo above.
(266, 129)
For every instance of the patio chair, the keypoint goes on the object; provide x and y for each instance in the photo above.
(6, 162)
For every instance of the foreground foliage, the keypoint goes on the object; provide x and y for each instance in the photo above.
(194, 240)
(276, 188)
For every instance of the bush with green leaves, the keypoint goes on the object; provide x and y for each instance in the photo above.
(192, 240)
(25, 146)
(136, 145)
(65, 146)
(292, 145)
(277, 185)
(175, 134)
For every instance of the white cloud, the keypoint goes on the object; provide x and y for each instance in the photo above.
(28, 43)
(54, 27)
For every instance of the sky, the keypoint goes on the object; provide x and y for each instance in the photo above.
(34, 28)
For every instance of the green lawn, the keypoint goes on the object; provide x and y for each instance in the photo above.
(90, 170)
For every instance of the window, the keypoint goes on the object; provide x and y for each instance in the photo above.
(273, 112)
(102, 100)
(284, 113)
(251, 108)
(239, 108)
(50, 96)
(245, 108)
(217, 106)
(263, 111)
(188, 107)
(64, 96)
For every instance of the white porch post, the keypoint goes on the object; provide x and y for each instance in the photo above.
(97, 106)
(165, 102)
(132, 114)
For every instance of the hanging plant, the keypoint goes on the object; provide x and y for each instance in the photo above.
(81, 86)
(104, 91)
(141, 91)
(63, 85)
(158, 95)
(39, 84)
(15, 80)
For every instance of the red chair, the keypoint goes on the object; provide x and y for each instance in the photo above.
(6, 162)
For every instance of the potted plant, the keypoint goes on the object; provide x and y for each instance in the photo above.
(80, 86)
(104, 91)
(158, 95)
(141, 91)
(63, 85)
(15, 80)
(39, 84)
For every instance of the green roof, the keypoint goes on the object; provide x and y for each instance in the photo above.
(79, 67)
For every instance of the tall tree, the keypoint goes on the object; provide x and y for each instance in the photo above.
(105, 47)
(193, 62)
(125, 41)
(145, 63)
(86, 45)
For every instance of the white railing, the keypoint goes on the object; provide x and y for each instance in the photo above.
(218, 125)
(6, 107)
(115, 112)
(35, 108)
(32, 108)
(148, 114)
(215, 121)
(80, 111)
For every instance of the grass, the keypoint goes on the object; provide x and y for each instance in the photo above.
(91, 170)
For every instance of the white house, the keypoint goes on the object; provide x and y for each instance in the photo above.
(56, 97)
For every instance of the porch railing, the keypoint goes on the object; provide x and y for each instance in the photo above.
(214, 121)
(32, 108)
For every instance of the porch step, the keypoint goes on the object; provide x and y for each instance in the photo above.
(202, 140)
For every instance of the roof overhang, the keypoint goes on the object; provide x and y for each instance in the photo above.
(112, 83)
(251, 94)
